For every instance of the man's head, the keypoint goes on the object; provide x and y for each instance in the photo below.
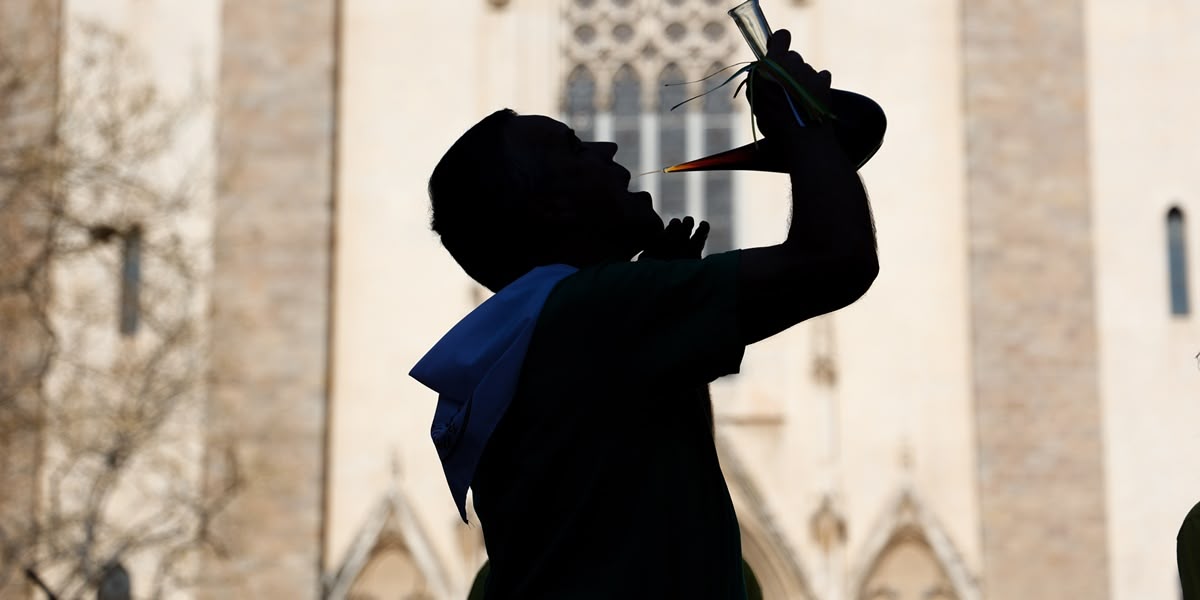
(516, 192)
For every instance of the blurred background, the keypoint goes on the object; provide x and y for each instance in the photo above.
(216, 271)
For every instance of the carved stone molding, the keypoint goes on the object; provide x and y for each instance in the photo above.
(828, 526)
(646, 36)
(907, 519)
(391, 527)
(765, 546)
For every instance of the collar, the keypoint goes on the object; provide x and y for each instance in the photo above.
(474, 369)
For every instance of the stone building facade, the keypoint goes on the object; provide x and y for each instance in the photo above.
(1006, 415)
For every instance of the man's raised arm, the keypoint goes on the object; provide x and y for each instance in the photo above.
(829, 258)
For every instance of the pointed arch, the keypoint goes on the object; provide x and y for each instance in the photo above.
(391, 552)
(1177, 266)
(764, 546)
(909, 549)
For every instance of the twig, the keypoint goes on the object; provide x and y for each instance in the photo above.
(33, 576)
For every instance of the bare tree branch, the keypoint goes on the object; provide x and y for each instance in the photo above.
(118, 475)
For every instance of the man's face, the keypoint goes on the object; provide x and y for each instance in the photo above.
(582, 192)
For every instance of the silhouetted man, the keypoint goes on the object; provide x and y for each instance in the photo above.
(573, 402)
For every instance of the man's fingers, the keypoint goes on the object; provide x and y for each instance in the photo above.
(779, 42)
(826, 78)
(701, 236)
(671, 230)
(677, 240)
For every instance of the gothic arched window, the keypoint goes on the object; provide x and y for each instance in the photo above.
(626, 118)
(581, 102)
(1177, 262)
(620, 57)
(672, 141)
(718, 185)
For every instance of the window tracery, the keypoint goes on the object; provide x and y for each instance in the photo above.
(620, 56)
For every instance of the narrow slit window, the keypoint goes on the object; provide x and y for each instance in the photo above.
(131, 280)
(1177, 262)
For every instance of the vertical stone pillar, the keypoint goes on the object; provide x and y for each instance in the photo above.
(1034, 347)
(271, 292)
(30, 43)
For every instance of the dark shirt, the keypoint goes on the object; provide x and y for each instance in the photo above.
(1188, 554)
(602, 479)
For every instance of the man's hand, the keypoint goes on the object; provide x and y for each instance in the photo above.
(767, 96)
(829, 258)
(677, 241)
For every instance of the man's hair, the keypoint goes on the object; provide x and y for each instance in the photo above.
(479, 196)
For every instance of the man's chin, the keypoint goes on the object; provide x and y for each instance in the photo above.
(643, 225)
(640, 200)
(651, 224)
(646, 237)
(644, 206)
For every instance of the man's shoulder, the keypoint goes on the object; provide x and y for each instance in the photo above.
(618, 278)
(612, 299)
(1191, 524)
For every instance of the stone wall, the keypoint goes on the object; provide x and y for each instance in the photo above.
(271, 292)
(1034, 346)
